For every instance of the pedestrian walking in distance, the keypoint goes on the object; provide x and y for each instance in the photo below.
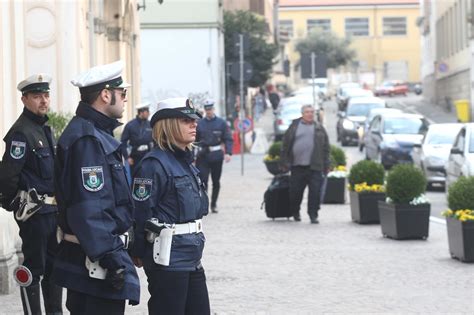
(137, 135)
(170, 201)
(94, 199)
(305, 152)
(27, 188)
(215, 146)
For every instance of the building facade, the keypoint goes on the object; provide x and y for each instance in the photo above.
(383, 34)
(447, 50)
(61, 38)
(183, 51)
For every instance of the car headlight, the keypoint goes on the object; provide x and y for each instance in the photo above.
(434, 161)
(347, 124)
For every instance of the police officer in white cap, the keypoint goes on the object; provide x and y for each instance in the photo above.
(170, 201)
(95, 205)
(137, 134)
(215, 142)
(27, 188)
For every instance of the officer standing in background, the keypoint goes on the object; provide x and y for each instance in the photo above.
(215, 146)
(137, 134)
(27, 188)
(94, 200)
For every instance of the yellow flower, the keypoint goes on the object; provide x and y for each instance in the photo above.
(341, 168)
(364, 187)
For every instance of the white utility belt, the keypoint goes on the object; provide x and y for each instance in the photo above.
(143, 147)
(188, 228)
(213, 148)
(162, 242)
(73, 239)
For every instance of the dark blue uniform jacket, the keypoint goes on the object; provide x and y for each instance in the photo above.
(211, 132)
(136, 133)
(172, 192)
(95, 204)
(28, 161)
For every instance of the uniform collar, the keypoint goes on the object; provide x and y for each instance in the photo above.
(100, 120)
(212, 118)
(186, 155)
(40, 120)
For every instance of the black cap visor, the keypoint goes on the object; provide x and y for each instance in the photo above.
(183, 112)
(36, 88)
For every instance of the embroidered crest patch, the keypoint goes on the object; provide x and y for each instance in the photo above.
(141, 190)
(17, 149)
(92, 178)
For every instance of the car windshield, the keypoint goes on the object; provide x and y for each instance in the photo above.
(291, 112)
(361, 109)
(388, 84)
(444, 136)
(401, 125)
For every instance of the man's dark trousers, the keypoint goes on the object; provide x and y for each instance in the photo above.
(215, 169)
(302, 176)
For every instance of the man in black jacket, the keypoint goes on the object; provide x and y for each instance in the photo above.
(305, 151)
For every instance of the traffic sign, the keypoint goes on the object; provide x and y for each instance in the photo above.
(247, 124)
(235, 71)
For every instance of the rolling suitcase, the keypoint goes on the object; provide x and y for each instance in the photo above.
(277, 198)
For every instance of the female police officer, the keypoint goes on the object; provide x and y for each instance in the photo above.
(170, 201)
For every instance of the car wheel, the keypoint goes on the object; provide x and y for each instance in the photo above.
(344, 142)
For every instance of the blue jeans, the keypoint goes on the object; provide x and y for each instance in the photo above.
(302, 176)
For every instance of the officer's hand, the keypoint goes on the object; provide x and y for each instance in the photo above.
(116, 278)
(137, 262)
(130, 161)
(227, 158)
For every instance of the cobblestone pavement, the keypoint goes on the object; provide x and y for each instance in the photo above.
(258, 266)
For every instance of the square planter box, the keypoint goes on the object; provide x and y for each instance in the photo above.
(461, 239)
(404, 221)
(364, 206)
(335, 190)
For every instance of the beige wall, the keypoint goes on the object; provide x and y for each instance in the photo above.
(52, 36)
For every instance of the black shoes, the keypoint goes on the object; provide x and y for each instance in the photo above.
(314, 221)
(214, 209)
(297, 218)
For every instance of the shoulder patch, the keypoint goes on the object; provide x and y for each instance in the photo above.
(141, 190)
(17, 149)
(92, 178)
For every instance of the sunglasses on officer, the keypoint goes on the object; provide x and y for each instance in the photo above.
(123, 92)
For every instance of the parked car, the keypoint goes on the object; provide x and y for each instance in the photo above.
(344, 86)
(391, 137)
(391, 88)
(349, 122)
(322, 84)
(283, 119)
(372, 113)
(418, 89)
(432, 154)
(351, 93)
(461, 157)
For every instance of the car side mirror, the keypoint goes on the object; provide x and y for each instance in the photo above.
(376, 132)
(417, 145)
(341, 114)
(456, 151)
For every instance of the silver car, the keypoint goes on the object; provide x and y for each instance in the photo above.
(461, 157)
(432, 154)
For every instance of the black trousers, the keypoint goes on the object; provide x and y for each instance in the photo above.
(302, 176)
(177, 292)
(215, 169)
(83, 304)
(39, 246)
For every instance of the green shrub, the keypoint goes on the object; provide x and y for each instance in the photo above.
(275, 149)
(368, 172)
(58, 122)
(404, 183)
(337, 157)
(461, 194)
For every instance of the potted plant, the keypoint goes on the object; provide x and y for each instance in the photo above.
(272, 159)
(366, 179)
(334, 188)
(460, 219)
(406, 212)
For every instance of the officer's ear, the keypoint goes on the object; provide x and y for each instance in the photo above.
(105, 95)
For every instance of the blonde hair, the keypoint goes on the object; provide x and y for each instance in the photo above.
(166, 133)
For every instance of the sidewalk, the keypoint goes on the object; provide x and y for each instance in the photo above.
(258, 266)
(417, 104)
